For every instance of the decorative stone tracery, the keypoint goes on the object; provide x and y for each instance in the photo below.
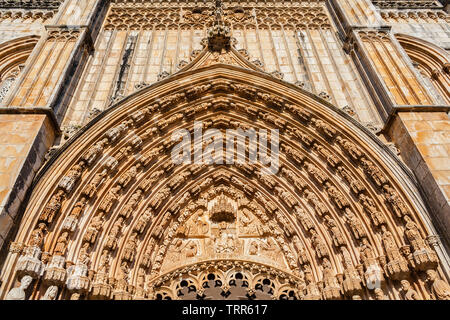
(119, 214)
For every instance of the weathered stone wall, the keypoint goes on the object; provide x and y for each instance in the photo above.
(139, 42)
(424, 142)
(431, 25)
(24, 139)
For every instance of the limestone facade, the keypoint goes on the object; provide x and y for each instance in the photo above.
(93, 207)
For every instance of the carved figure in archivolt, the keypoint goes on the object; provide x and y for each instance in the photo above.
(144, 220)
(68, 182)
(408, 292)
(92, 231)
(78, 208)
(301, 252)
(92, 187)
(61, 244)
(37, 236)
(130, 248)
(318, 244)
(52, 208)
(110, 199)
(439, 288)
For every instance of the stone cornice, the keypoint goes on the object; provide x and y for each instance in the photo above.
(30, 4)
(37, 110)
(397, 109)
(407, 4)
(191, 3)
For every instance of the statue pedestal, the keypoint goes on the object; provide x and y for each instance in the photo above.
(140, 294)
(124, 292)
(397, 269)
(55, 272)
(101, 289)
(424, 259)
(77, 279)
(352, 283)
(30, 263)
(70, 224)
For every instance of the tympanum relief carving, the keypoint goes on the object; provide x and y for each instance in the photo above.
(222, 229)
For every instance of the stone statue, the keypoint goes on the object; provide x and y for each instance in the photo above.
(141, 278)
(439, 288)
(350, 147)
(389, 244)
(408, 292)
(303, 218)
(366, 253)
(131, 204)
(91, 155)
(105, 260)
(92, 187)
(413, 235)
(94, 227)
(368, 204)
(331, 289)
(312, 291)
(374, 172)
(130, 248)
(19, 292)
(61, 244)
(78, 208)
(318, 244)
(68, 182)
(355, 224)
(84, 256)
(126, 178)
(336, 234)
(338, 197)
(51, 293)
(396, 202)
(37, 236)
(52, 208)
(110, 199)
(379, 294)
(144, 220)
